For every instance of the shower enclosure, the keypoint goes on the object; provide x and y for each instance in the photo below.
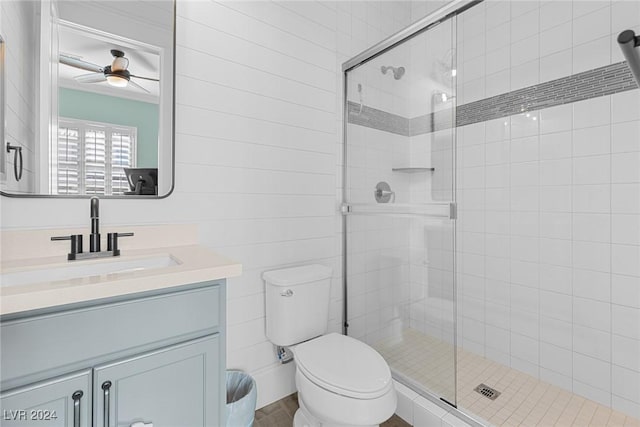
(399, 208)
(491, 210)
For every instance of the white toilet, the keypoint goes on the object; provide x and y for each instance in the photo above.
(341, 381)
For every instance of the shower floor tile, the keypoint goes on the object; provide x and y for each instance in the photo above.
(524, 400)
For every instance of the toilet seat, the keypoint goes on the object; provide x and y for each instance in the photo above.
(345, 366)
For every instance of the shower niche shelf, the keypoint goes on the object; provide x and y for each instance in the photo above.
(413, 169)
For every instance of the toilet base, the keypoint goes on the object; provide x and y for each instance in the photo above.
(303, 418)
(300, 420)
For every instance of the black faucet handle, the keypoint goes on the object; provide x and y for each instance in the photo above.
(76, 243)
(95, 207)
(112, 241)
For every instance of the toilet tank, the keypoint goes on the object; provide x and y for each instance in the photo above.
(297, 303)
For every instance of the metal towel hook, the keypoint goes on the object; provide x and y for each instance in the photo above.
(17, 172)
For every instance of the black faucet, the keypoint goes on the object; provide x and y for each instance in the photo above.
(94, 238)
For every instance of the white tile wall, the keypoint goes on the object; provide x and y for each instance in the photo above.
(258, 150)
(549, 249)
(508, 45)
(561, 302)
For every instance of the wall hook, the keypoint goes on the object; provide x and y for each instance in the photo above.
(17, 172)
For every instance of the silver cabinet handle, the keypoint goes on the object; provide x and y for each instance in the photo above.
(141, 424)
(76, 407)
(106, 391)
(287, 293)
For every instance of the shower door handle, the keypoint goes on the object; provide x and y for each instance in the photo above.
(439, 210)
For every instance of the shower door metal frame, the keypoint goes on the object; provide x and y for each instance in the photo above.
(445, 13)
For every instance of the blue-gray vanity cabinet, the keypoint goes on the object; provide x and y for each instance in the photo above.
(77, 337)
(163, 353)
(59, 402)
(175, 386)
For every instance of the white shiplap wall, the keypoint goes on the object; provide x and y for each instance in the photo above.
(17, 27)
(258, 151)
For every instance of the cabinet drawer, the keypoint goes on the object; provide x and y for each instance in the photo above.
(42, 346)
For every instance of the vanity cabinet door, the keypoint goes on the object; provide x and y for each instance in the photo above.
(60, 402)
(178, 386)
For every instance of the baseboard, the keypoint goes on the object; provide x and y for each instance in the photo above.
(274, 382)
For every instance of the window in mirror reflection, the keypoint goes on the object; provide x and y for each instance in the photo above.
(90, 158)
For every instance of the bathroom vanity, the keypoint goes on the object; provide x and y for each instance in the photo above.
(136, 347)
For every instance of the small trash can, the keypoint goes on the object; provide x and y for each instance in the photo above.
(241, 399)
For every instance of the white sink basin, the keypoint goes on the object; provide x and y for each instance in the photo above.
(78, 269)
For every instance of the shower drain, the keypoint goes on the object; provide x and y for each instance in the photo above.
(487, 391)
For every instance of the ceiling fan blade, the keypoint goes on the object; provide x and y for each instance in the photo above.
(142, 59)
(134, 84)
(146, 78)
(91, 78)
(79, 63)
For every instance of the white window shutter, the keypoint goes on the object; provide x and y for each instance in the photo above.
(90, 158)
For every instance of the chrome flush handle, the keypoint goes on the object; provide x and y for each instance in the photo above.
(287, 293)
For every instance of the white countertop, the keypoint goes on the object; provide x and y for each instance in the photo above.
(195, 264)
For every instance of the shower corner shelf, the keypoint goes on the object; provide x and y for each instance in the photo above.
(413, 170)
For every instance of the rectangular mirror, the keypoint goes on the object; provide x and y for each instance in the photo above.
(87, 98)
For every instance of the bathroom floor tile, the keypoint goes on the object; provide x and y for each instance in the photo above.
(277, 414)
(280, 414)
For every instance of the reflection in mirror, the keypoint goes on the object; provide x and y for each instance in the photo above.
(107, 114)
(2, 114)
(90, 96)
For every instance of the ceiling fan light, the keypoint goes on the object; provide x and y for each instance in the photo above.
(117, 81)
(119, 63)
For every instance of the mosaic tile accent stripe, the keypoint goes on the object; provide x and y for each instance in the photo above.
(427, 123)
(377, 119)
(389, 122)
(602, 81)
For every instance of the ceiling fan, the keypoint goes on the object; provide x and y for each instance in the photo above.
(116, 74)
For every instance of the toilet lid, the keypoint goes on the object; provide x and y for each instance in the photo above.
(344, 365)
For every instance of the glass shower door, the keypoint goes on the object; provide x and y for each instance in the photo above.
(400, 210)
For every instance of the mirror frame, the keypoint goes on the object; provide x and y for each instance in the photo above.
(3, 98)
(88, 196)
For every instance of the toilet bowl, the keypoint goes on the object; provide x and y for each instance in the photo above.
(341, 382)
